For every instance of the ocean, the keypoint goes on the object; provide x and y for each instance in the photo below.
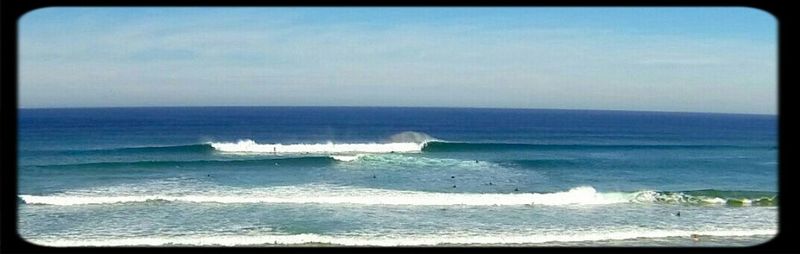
(361, 176)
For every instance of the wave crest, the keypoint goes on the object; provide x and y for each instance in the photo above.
(326, 194)
(347, 195)
(250, 146)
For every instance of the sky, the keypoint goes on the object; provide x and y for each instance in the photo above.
(690, 59)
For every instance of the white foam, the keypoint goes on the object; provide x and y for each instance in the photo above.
(714, 200)
(678, 198)
(250, 146)
(190, 190)
(347, 157)
(418, 240)
(343, 195)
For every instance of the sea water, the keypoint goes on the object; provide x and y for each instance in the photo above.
(263, 176)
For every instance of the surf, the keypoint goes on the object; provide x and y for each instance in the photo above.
(403, 240)
(328, 194)
(250, 146)
(404, 142)
(324, 194)
(707, 197)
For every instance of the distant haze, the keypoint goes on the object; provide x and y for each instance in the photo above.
(654, 59)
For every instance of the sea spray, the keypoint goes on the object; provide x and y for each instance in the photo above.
(411, 136)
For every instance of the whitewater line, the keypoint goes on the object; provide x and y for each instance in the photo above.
(250, 146)
(360, 196)
(422, 240)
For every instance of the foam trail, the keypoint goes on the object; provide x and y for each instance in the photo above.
(250, 146)
(420, 240)
(361, 196)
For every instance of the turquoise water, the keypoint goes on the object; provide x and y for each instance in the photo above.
(244, 176)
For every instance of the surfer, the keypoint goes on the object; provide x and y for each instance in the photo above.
(678, 214)
(454, 186)
(695, 237)
(274, 150)
(516, 189)
(373, 176)
(490, 183)
(452, 176)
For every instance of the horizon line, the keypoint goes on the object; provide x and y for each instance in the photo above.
(421, 107)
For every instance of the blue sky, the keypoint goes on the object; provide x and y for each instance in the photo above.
(655, 59)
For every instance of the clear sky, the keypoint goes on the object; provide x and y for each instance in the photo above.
(655, 59)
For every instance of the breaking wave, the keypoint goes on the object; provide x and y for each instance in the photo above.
(417, 240)
(404, 142)
(250, 146)
(326, 194)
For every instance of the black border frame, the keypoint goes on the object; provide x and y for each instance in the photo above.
(12, 10)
